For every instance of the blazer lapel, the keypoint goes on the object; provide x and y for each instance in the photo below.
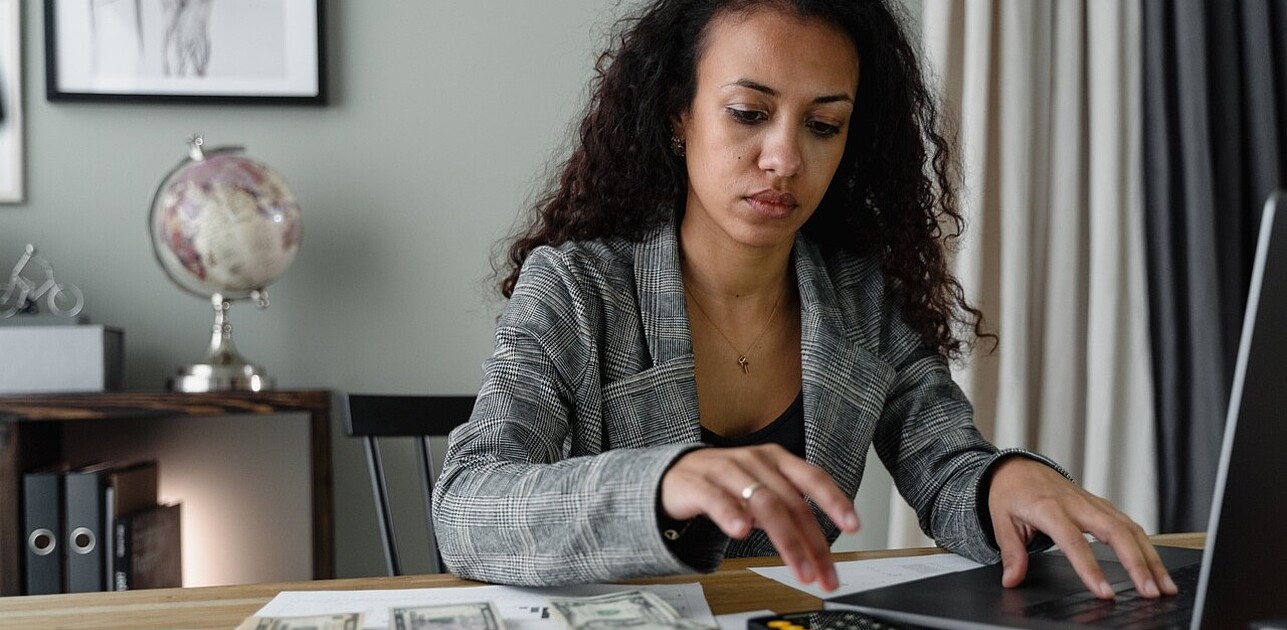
(659, 404)
(660, 289)
(843, 383)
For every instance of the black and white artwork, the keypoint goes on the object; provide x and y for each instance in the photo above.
(11, 153)
(186, 50)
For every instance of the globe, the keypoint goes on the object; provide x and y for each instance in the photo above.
(224, 227)
(224, 223)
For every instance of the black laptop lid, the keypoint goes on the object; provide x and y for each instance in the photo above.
(1245, 572)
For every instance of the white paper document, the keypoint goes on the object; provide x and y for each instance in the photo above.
(863, 575)
(521, 608)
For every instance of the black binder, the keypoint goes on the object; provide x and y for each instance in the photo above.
(42, 513)
(84, 534)
(85, 526)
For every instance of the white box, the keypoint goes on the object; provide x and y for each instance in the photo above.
(38, 359)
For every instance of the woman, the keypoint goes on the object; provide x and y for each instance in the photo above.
(745, 227)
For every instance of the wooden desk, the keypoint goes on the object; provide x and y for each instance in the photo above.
(731, 589)
(30, 437)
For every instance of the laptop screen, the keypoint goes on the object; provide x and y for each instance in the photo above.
(1244, 574)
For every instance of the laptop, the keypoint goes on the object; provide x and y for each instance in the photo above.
(1242, 577)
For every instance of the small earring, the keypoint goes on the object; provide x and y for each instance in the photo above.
(677, 145)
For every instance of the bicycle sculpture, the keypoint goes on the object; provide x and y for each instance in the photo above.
(21, 294)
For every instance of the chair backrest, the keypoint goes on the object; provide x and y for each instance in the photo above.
(422, 417)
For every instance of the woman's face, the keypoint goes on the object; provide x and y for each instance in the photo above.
(767, 126)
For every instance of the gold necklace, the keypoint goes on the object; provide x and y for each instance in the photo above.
(742, 359)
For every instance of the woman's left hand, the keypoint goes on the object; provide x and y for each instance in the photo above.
(1027, 497)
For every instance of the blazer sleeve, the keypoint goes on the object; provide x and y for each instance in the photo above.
(514, 504)
(940, 462)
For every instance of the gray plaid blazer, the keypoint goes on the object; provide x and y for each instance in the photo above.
(590, 396)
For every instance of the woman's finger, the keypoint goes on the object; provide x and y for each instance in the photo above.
(1070, 541)
(1014, 552)
(815, 483)
(799, 542)
(722, 508)
(1119, 532)
(1159, 570)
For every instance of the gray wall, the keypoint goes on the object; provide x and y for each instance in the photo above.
(443, 117)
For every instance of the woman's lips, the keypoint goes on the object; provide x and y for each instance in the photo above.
(772, 203)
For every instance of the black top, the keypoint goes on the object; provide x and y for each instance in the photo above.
(787, 431)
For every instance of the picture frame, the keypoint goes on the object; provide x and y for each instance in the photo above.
(199, 51)
(11, 110)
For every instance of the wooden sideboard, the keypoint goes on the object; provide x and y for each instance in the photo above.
(31, 436)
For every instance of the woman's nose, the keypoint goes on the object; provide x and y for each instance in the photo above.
(781, 154)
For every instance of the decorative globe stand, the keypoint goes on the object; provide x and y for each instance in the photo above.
(223, 227)
(223, 369)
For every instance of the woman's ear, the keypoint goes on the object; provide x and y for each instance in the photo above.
(678, 123)
(678, 143)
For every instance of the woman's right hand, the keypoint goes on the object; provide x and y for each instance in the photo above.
(712, 482)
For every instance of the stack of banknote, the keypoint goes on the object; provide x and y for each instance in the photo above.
(628, 610)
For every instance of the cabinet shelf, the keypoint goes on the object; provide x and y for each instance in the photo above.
(30, 437)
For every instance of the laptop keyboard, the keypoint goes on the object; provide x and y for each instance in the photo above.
(1129, 610)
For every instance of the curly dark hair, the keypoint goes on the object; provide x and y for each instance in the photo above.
(891, 197)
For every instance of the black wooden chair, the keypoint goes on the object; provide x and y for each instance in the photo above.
(421, 417)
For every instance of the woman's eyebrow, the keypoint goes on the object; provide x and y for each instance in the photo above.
(760, 87)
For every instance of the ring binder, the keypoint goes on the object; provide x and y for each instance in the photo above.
(95, 496)
(42, 520)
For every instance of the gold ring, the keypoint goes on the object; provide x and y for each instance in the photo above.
(749, 491)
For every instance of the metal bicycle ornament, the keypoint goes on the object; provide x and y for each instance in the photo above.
(21, 295)
(223, 227)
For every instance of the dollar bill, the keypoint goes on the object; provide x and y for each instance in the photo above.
(632, 610)
(342, 621)
(473, 616)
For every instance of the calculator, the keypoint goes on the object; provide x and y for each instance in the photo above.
(821, 620)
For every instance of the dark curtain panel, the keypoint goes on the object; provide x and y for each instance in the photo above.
(1215, 138)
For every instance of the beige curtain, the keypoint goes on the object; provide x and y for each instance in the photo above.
(1046, 98)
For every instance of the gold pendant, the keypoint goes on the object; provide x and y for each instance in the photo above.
(746, 365)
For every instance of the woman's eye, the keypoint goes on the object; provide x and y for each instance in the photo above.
(746, 116)
(823, 129)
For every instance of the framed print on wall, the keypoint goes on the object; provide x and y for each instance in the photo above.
(11, 153)
(188, 51)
